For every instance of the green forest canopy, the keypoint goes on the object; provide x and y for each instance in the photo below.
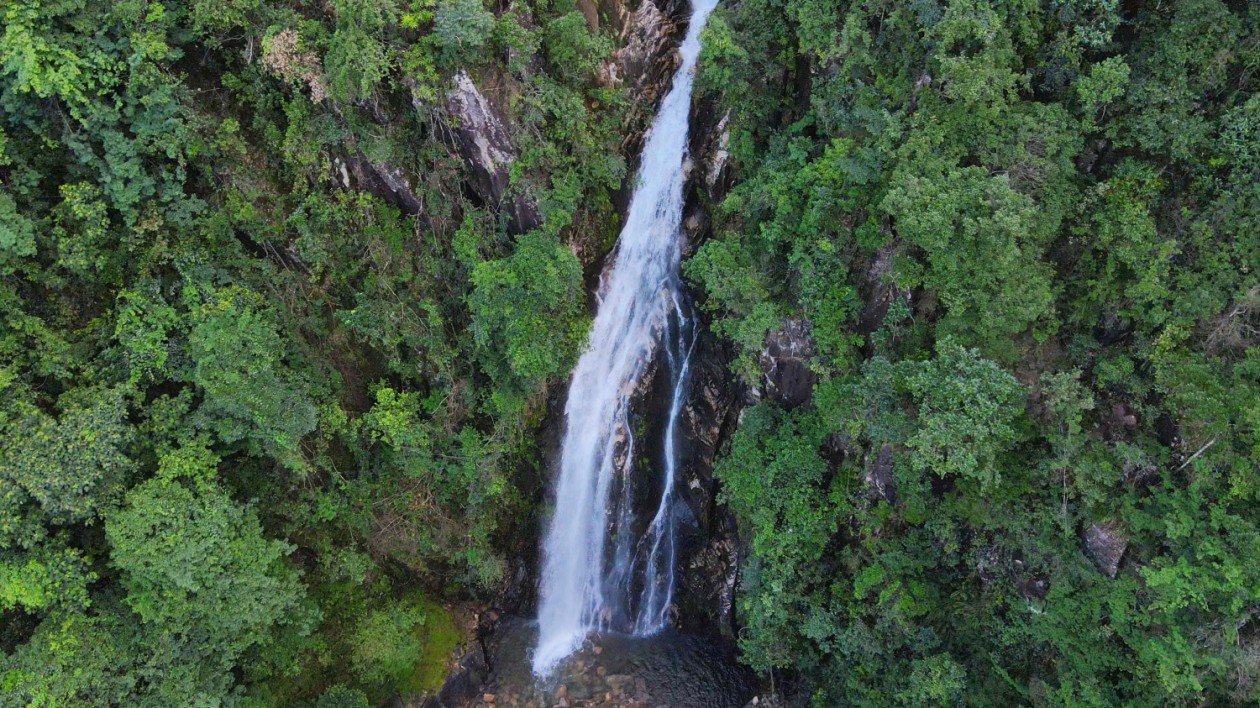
(258, 426)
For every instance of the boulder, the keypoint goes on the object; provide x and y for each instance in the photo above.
(786, 376)
(879, 476)
(1106, 543)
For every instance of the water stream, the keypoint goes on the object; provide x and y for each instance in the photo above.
(604, 568)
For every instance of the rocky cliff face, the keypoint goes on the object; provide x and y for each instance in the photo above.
(381, 180)
(709, 566)
(477, 128)
(484, 142)
(646, 59)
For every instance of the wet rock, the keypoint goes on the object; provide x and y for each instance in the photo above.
(711, 577)
(787, 378)
(1106, 543)
(709, 410)
(485, 144)
(709, 557)
(464, 684)
(384, 181)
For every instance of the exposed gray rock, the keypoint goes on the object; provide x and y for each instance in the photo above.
(990, 564)
(786, 376)
(878, 291)
(1106, 543)
(379, 179)
(718, 154)
(647, 58)
(484, 143)
(644, 64)
(879, 476)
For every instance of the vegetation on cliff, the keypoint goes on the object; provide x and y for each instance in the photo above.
(1025, 237)
(270, 357)
(283, 287)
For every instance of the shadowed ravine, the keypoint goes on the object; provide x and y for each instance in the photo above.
(607, 565)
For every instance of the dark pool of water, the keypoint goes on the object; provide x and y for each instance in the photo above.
(667, 669)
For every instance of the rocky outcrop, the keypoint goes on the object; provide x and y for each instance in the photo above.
(483, 141)
(646, 59)
(379, 179)
(717, 154)
(994, 564)
(786, 376)
(708, 553)
(644, 63)
(879, 476)
(1106, 543)
(878, 290)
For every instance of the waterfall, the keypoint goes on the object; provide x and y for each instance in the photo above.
(599, 573)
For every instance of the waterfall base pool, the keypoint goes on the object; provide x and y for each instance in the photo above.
(666, 669)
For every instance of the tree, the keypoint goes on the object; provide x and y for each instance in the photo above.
(981, 254)
(527, 313)
(73, 464)
(197, 569)
(462, 27)
(967, 409)
(239, 362)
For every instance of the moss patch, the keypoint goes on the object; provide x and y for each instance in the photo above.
(439, 638)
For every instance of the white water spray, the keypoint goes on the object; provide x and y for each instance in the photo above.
(591, 581)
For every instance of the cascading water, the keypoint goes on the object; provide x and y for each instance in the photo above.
(598, 572)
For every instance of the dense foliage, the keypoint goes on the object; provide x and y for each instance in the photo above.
(1026, 237)
(259, 424)
(264, 419)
